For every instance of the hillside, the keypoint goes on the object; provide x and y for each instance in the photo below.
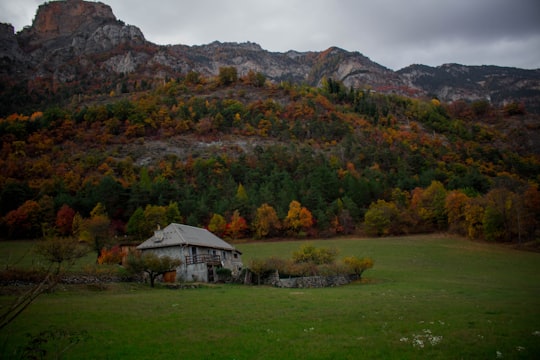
(104, 133)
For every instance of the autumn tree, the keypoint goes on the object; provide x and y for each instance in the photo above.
(110, 256)
(298, 218)
(255, 79)
(64, 220)
(25, 221)
(96, 230)
(237, 226)
(266, 221)
(474, 215)
(429, 206)
(455, 205)
(530, 221)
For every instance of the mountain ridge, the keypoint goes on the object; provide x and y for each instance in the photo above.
(80, 45)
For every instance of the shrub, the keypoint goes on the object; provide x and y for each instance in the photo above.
(311, 254)
(358, 266)
(110, 256)
(224, 274)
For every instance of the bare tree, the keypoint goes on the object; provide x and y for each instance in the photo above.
(59, 253)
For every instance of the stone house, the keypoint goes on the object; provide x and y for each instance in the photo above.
(200, 251)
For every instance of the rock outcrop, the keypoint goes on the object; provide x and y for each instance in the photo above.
(499, 85)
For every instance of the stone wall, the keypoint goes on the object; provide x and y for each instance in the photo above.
(311, 281)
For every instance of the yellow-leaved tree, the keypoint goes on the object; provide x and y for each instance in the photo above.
(266, 221)
(299, 219)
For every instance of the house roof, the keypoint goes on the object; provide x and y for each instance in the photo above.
(182, 235)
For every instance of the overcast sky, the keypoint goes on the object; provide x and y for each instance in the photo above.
(394, 33)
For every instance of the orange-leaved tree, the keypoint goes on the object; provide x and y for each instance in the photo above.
(237, 227)
(298, 219)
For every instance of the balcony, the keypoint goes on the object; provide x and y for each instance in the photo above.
(203, 258)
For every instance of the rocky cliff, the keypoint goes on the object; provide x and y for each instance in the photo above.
(498, 85)
(82, 44)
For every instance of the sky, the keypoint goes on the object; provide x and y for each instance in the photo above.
(393, 33)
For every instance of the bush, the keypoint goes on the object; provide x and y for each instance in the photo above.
(357, 266)
(317, 256)
(224, 274)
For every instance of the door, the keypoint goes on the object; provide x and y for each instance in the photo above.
(210, 273)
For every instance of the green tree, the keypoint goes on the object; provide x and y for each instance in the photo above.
(380, 217)
(136, 225)
(172, 213)
(241, 199)
(258, 267)
(499, 214)
(154, 216)
(217, 224)
(227, 75)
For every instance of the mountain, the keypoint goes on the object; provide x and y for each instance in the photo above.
(499, 85)
(75, 47)
(94, 116)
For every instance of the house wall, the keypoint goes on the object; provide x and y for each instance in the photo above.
(193, 272)
(199, 272)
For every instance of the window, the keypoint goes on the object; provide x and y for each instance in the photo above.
(193, 251)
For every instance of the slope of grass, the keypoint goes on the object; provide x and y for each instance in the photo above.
(427, 297)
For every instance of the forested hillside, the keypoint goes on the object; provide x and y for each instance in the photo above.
(249, 158)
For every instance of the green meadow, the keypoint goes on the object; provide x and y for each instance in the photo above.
(427, 297)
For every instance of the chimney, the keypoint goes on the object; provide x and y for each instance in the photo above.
(158, 235)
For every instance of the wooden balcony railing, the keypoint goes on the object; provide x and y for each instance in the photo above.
(203, 258)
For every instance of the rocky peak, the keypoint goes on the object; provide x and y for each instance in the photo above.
(76, 26)
(64, 18)
(8, 41)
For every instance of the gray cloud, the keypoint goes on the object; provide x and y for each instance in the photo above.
(394, 33)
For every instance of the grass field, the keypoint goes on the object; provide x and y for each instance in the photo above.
(429, 297)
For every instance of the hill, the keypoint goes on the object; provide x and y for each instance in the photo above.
(96, 121)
